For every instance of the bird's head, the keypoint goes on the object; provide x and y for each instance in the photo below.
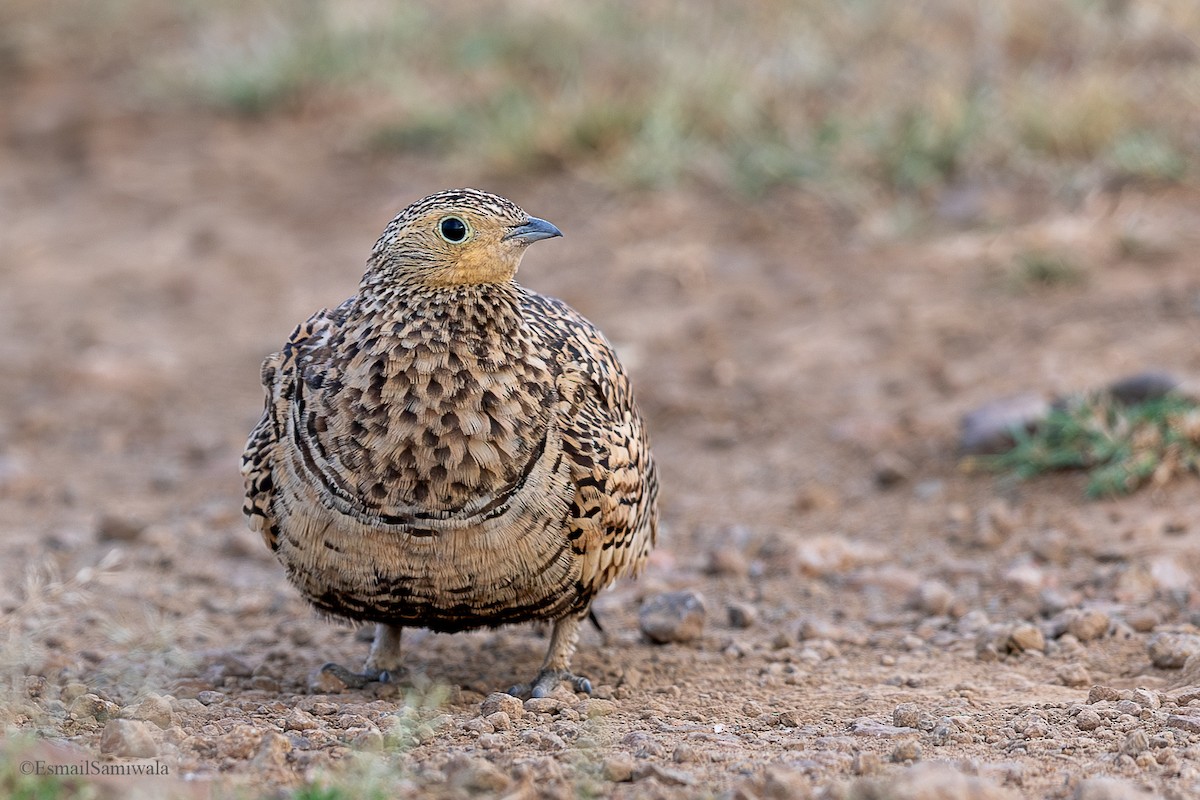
(455, 238)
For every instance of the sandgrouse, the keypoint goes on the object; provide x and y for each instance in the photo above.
(450, 450)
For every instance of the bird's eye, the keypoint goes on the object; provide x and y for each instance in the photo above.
(453, 229)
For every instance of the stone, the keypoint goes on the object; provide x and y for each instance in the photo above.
(1074, 675)
(1027, 636)
(272, 752)
(618, 768)
(92, 705)
(1088, 625)
(672, 617)
(152, 708)
(300, 720)
(728, 562)
(1172, 650)
(906, 751)
(741, 615)
(906, 715)
(499, 701)
(932, 597)
(475, 775)
(114, 528)
(989, 428)
(1106, 789)
(128, 738)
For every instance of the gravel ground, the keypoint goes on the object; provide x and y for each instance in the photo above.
(865, 619)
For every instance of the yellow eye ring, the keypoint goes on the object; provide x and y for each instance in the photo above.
(453, 229)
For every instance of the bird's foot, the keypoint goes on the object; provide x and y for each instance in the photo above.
(548, 680)
(357, 680)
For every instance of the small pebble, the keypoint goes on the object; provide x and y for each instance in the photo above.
(933, 598)
(94, 706)
(988, 429)
(618, 768)
(728, 562)
(1107, 789)
(499, 701)
(1099, 694)
(596, 707)
(891, 469)
(742, 615)
(474, 775)
(1027, 636)
(1171, 650)
(152, 708)
(866, 763)
(273, 751)
(1143, 620)
(670, 777)
(543, 705)
(906, 715)
(684, 754)
(500, 721)
(1184, 722)
(1074, 675)
(672, 617)
(1135, 742)
(209, 697)
(906, 751)
(128, 738)
(113, 528)
(1088, 625)
(299, 720)
(1146, 698)
(1088, 720)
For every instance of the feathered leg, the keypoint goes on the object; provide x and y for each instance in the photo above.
(556, 667)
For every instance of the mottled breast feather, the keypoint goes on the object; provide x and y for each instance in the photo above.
(451, 459)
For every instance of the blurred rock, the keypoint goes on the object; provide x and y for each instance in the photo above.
(1088, 624)
(1172, 650)
(989, 428)
(500, 701)
(152, 708)
(932, 597)
(672, 617)
(272, 752)
(1107, 789)
(475, 775)
(826, 555)
(128, 738)
(113, 528)
(729, 562)
(1027, 636)
(891, 469)
(741, 615)
(1144, 386)
(1074, 675)
(926, 782)
(92, 705)
(618, 768)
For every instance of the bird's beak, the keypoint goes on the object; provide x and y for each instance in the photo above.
(533, 230)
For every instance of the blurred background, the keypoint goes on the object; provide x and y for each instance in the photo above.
(817, 232)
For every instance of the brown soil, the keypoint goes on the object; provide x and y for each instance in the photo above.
(803, 374)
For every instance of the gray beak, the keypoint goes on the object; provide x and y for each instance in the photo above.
(533, 230)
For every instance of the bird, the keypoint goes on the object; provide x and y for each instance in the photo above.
(450, 450)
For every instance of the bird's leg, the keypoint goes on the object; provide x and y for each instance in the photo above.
(383, 662)
(556, 667)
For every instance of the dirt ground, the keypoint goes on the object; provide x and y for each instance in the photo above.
(879, 622)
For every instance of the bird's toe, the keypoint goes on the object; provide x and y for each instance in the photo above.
(356, 680)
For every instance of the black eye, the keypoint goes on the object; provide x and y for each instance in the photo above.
(453, 229)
